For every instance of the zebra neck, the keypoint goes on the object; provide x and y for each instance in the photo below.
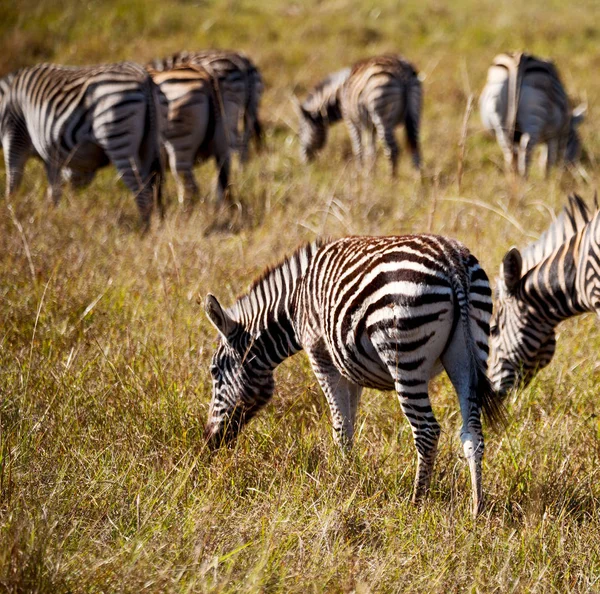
(550, 287)
(267, 312)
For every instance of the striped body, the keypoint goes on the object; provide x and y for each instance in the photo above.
(378, 312)
(535, 295)
(194, 128)
(525, 104)
(240, 87)
(78, 119)
(373, 97)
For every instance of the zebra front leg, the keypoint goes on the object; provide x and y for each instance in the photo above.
(426, 433)
(53, 173)
(505, 145)
(552, 151)
(16, 154)
(342, 395)
(355, 133)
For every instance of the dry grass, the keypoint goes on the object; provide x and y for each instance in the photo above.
(104, 483)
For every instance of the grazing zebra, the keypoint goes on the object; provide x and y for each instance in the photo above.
(554, 279)
(194, 127)
(78, 119)
(524, 103)
(240, 85)
(373, 97)
(377, 312)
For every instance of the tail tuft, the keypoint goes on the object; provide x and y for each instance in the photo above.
(490, 402)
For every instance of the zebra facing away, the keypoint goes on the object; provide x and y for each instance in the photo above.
(524, 103)
(194, 128)
(376, 312)
(239, 86)
(554, 279)
(372, 97)
(79, 119)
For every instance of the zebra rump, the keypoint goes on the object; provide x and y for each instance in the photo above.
(525, 104)
(378, 312)
(553, 279)
(194, 129)
(79, 119)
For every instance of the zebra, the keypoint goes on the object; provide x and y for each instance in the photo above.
(553, 279)
(373, 97)
(78, 119)
(524, 103)
(194, 127)
(376, 312)
(240, 85)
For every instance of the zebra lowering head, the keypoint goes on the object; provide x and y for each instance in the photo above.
(521, 341)
(242, 385)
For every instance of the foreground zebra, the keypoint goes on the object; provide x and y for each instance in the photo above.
(524, 103)
(377, 312)
(554, 279)
(79, 119)
(372, 97)
(194, 128)
(240, 87)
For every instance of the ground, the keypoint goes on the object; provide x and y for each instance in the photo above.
(105, 484)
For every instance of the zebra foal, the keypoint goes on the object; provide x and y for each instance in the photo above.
(524, 103)
(79, 119)
(376, 312)
(554, 279)
(194, 128)
(372, 97)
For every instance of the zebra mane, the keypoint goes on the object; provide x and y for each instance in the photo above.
(325, 93)
(572, 218)
(292, 267)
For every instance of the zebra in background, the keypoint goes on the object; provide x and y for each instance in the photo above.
(377, 312)
(372, 97)
(194, 128)
(240, 87)
(79, 119)
(554, 279)
(525, 104)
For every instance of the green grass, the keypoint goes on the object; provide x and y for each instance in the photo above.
(104, 482)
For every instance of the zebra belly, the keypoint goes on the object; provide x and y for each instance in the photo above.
(87, 157)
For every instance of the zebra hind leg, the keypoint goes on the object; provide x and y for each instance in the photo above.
(390, 146)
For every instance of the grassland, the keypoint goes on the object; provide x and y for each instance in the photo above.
(104, 483)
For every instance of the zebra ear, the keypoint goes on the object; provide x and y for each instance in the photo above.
(511, 267)
(218, 317)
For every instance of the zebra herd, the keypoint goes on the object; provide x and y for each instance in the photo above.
(377, 312)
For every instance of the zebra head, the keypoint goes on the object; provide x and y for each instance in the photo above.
(573, 150)
(312, 132)
(241, 386)
(521, 342)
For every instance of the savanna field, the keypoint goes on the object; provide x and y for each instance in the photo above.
(105, 484)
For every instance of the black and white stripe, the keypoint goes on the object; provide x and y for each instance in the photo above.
(525, 104)
(372, 97)
(78, 119)
(194, 129)
(240, 87)
(533, 297)
(378, 312)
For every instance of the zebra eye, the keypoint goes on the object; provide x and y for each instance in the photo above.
(494, 330)
(214, 371)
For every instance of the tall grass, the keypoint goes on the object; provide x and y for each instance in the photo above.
(104, 482)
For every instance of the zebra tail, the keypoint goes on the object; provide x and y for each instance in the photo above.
(488, 400)
(414, 99)
(153, 129)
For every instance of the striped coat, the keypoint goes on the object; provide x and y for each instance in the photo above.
(525, 104)
(555, 278)
(194, 129)
(78, 119)
(372, 97)
(377, 312)
(240, 87)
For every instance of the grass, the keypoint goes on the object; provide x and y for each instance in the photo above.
(104, 483)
